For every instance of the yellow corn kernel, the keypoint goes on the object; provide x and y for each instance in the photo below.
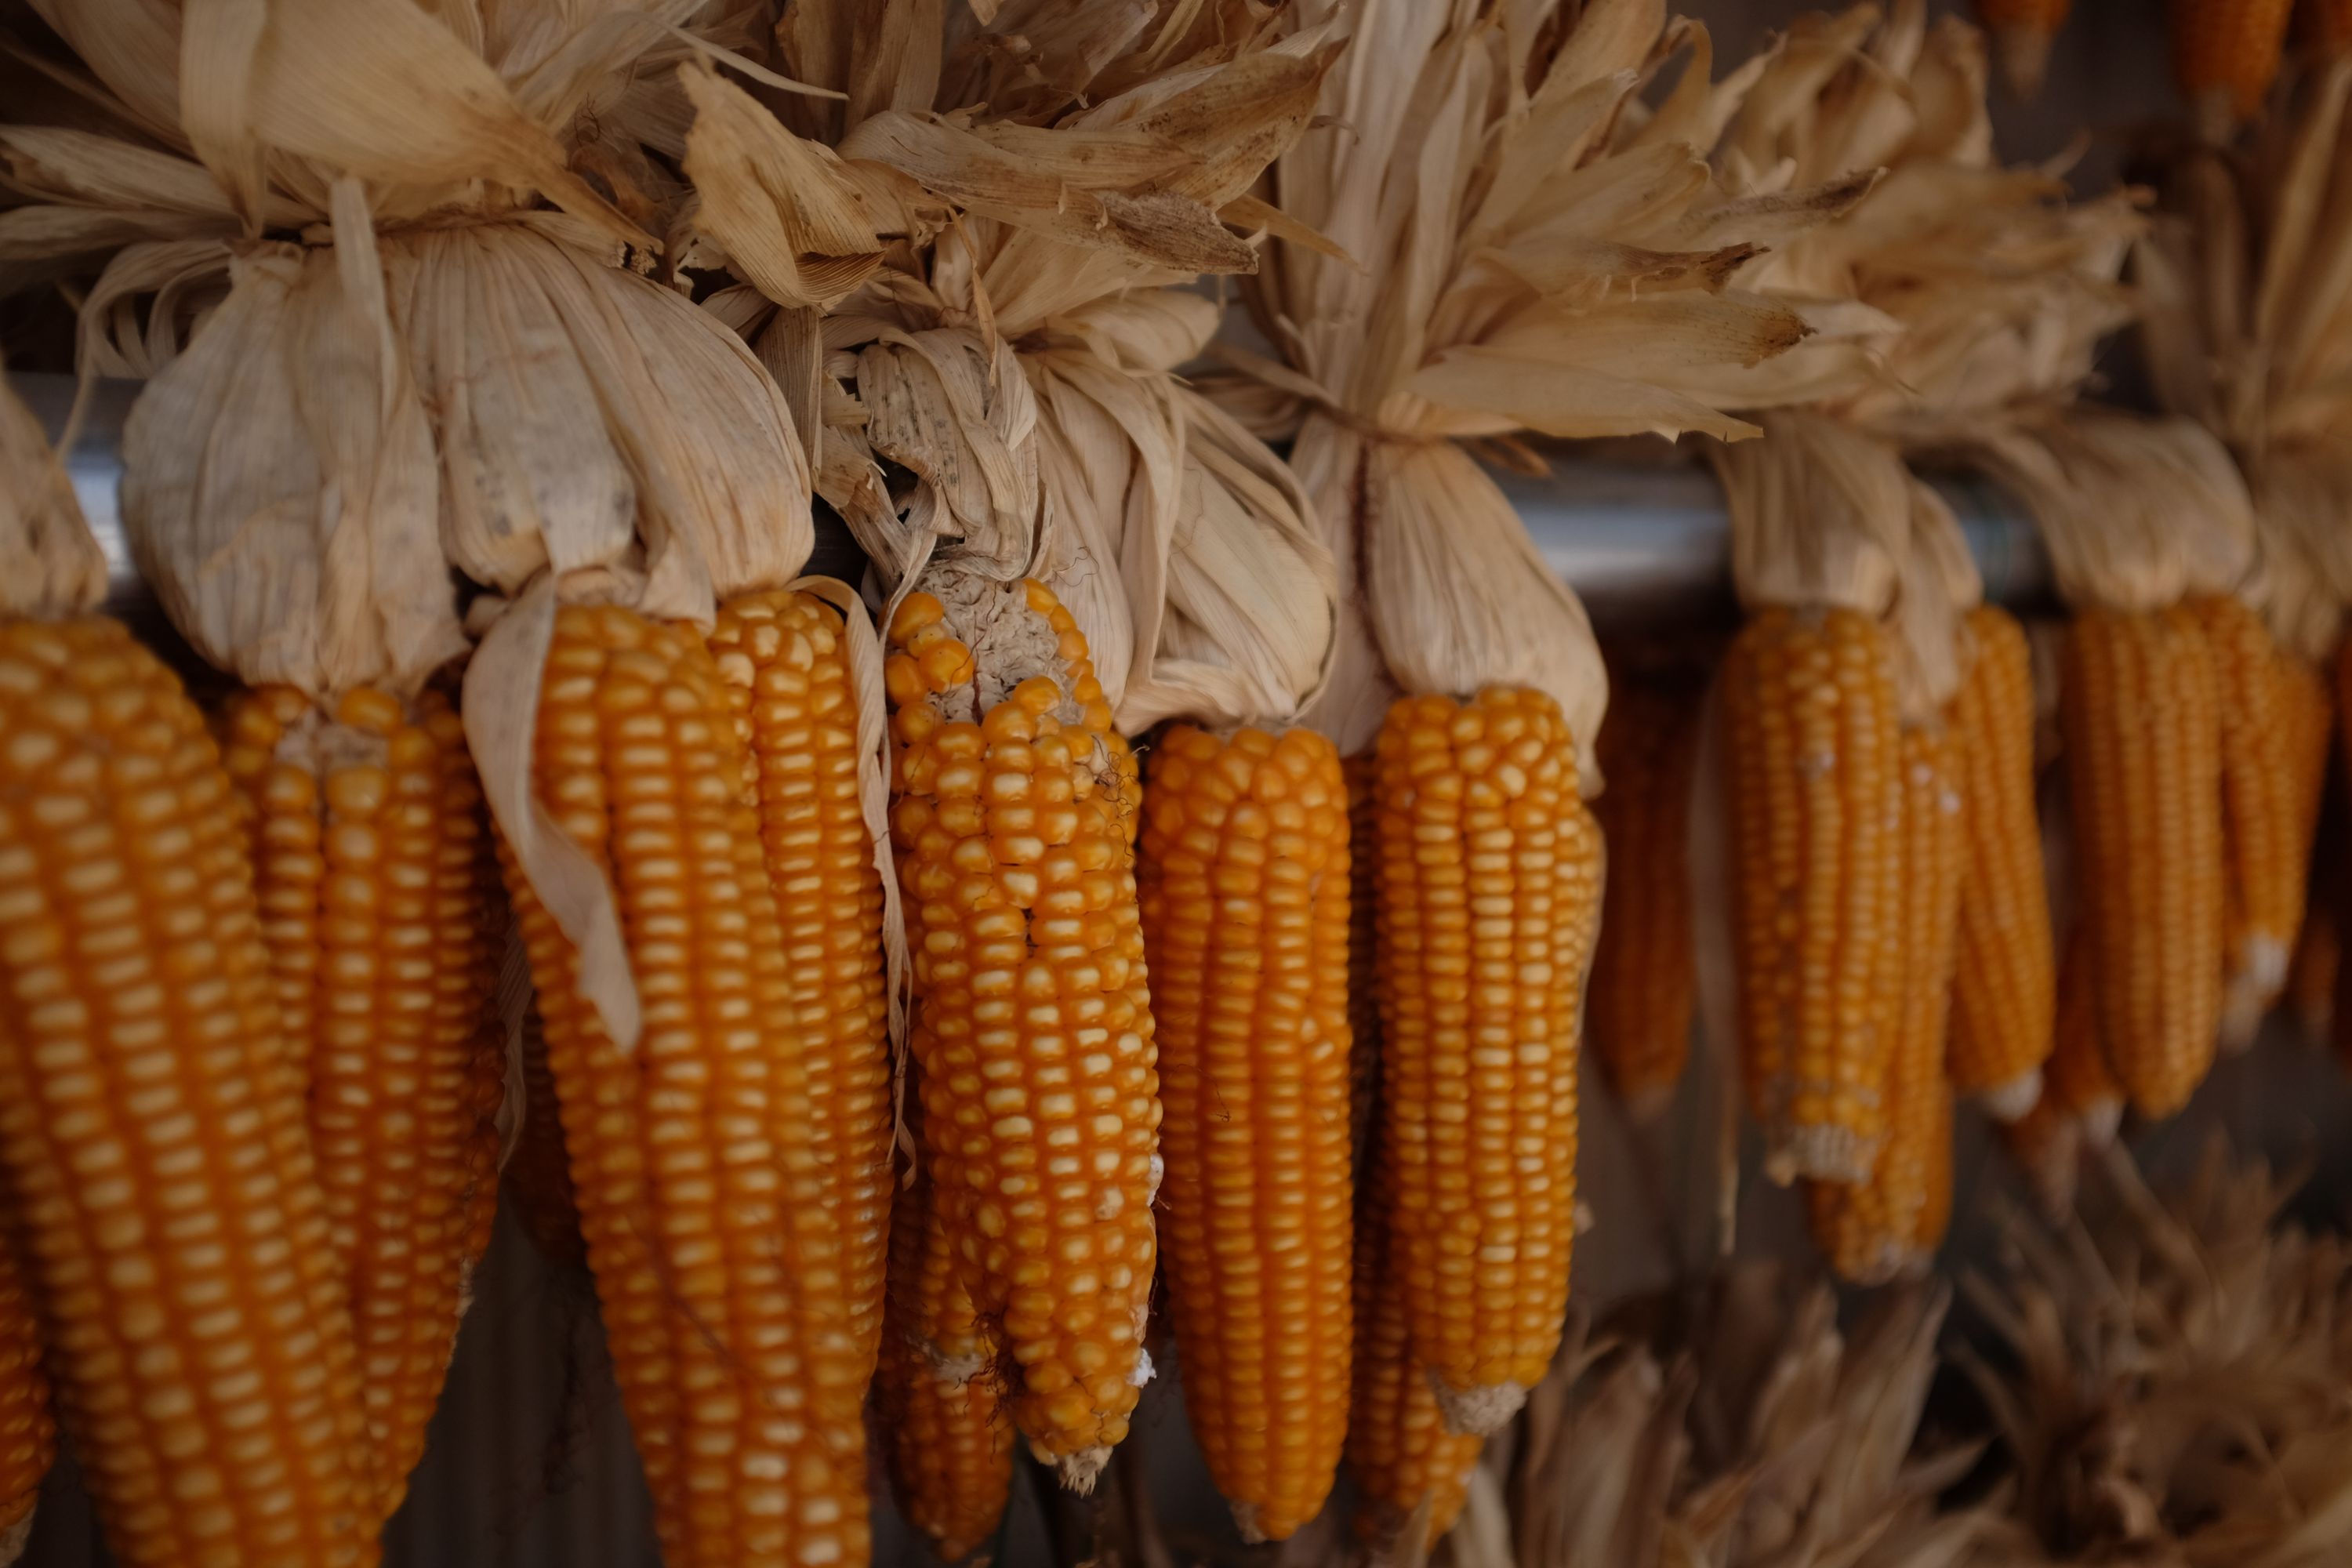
(2004, 984)
(1489, 900)
(538, 1177)
(1645, 972)
(1013, 824)
(2142, 717)
(1815, 794)
(1244, 876)
(28, 1432)
(152, 1139)
(785, 660)
(369, 830)
(1871, 1231)
(2021, 32)
(939, 1393)
(1363, 955)
(2225, 54)
(693, 1156)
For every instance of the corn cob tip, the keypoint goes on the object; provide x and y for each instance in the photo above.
(1245, 1521)
(1647, 1104)
(2255, 981)
(2101, 1120)
(2010, 1101)
(1079, 1471)
(1824, 1153)
(1477, 1412)
(2022, 52)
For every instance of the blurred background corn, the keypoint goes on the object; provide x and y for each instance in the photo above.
(1872, 1231)
(1012, 827)
(1645, 970)
(368, 826)
(1489, 897)
(2021, 32)
(1811, 774)
(2326, 27)
(2225, 54)
(1363, 957)
(2003, 982)
(2141, 710)
(695, 1157)
(938, 1392)
(786, 666)
(1245, 885)
(29, 1429)
(167, 1216)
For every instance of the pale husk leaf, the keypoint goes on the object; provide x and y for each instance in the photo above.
(50, 566)
(1819, 515)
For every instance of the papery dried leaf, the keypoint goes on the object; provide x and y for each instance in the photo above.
(49, 564)
(1821, 515)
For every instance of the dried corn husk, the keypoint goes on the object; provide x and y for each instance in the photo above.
(49, 564)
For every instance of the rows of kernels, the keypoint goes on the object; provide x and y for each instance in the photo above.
(1810, 728)
(785, 662)
(2078, 1083)
(28, 1431)
(1244, 879)
(1033, 1024)
(2141, 710)
(1645, 968)
(470, 914)
(692, 1157)
(2225, 53)
(939, 1394)
(279, 801)
(1489, 899)
(2004, 985)
(1363, 954)
(1870, 1230)
(170, 1223)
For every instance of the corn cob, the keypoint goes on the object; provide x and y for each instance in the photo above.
(939, 1393)
(694, 1157)
(2312, 974)
(28, 1432)
(1810, 740)
(1644, 971)
(1870, 1231)
(2021, 32)
(1363, 956)
(2225, 54)
(1401, 1455)
(1244, 886)
(1489, 900)
(2078, 1083)
(2267, 749)
(2143, 725)
(1013, 823)
(786, 664)
(170, 1223)
(2003, 987)
(367, 823)
(538, 1177)
(2326, 32)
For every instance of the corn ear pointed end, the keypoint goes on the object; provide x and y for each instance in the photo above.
(1079, 1472)
(2009, 1101)
(2023, 55)
(1245, 1521)
(1835, 1154)
(1646, 1105)
(1477, 1412)
(2100, 1120)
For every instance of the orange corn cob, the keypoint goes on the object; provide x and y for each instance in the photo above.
(2004, 984)
(29, 1434)
(1489, 900)
(1401, 1455)
(1245, 885)
(1871, 1231)
(2021, 32)
(1363, 956)
(2225, 54)
(693, 1156)
(2273, 764)
(1012, 827)
(2081, 1104)
(2327, 31)
(1645, 971)
(168, 1221)
(940, 1398)
(2311, 975)
(2143, 724)
(538, 1177)
(1810, 740)
(367, 825)
(786, 664)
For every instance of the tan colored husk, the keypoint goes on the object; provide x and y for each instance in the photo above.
(1819, 515)
(50, 566)
(1531, 250)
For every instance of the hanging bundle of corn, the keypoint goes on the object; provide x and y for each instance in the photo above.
(143, 1073)
(430, 294)
(1505, 277)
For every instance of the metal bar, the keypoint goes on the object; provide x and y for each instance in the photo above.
(1637, 543)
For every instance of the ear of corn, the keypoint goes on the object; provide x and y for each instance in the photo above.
(1645, 970)
(538, 1177)
(1245, 882)
(1489, 900)
(368, 825)
(2274, 762)
(2079, 1083)
(695, 1157)
(28, 1431)
(938, 1390)
(1363, 956)
(166, 1212)
(786, 666)
(1810, 742)
(1012, 823)
(2225, 54)
(2143, 724)
(1872, 1230)
(2003, 983)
